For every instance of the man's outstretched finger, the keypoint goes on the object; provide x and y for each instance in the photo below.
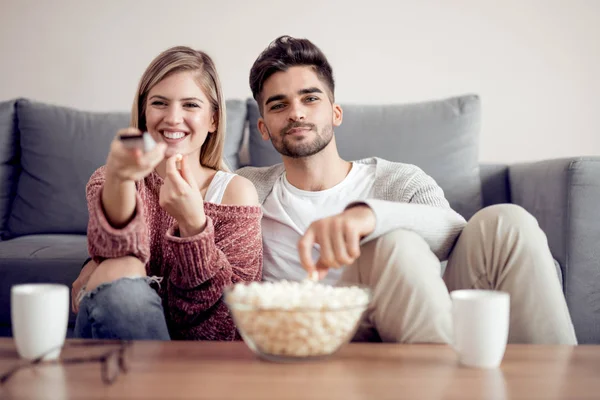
(305, 246)
(352, 239)
(340, 249)
(322, 272)
(328, 257)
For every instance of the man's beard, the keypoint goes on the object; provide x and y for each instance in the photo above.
(288, 146)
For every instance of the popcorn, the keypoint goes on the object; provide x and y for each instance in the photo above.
(297, 319)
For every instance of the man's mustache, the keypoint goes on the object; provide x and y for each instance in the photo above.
(294, 125)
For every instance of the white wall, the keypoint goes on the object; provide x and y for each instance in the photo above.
(535, 63)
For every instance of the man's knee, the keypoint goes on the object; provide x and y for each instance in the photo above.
(399, 238)
(402, 252)
(511, 226)
(510, 214)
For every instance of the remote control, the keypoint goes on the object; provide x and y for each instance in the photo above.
(143, 142)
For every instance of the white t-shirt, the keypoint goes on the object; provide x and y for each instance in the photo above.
(289, 211)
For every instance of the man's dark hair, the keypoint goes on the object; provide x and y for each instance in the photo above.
(283, 53)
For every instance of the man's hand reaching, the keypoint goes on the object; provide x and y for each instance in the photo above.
(338, 238)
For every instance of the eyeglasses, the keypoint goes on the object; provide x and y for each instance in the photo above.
(114, 361)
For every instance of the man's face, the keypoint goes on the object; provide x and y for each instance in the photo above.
(298, 116)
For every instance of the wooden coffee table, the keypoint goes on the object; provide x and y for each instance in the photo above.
(217, 370)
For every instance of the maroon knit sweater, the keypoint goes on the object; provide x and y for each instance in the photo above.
(195, 269)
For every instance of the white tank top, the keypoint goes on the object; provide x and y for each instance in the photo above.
(216, 189)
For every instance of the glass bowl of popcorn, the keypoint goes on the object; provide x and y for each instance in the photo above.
(288, 321)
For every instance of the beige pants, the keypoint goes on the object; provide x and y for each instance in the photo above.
(501, 248)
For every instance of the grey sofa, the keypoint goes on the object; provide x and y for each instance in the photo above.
(47, 154)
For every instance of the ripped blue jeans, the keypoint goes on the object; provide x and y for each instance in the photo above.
(127, 309)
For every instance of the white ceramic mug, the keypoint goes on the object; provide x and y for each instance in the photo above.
(481, 320)
(39, 317)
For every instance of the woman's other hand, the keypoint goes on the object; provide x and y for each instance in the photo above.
(181, 197)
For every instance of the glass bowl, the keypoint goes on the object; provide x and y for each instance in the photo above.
(285, 330)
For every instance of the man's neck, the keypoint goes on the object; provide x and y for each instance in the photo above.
(318, 172)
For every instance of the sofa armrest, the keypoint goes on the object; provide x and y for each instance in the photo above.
(564, 196)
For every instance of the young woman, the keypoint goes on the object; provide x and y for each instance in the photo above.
(167, 233)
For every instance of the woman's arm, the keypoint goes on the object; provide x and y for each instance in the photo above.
(227, 251)
(105, 240)
(124, 167)
(118, 201)
(116, 225)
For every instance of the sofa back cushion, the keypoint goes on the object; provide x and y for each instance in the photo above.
(9, 160)
(441, 137)
(60, 148)
(236, 125)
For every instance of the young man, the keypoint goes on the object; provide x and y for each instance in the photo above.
(398, 227)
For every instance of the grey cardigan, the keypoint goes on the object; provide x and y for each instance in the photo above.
(404, 197)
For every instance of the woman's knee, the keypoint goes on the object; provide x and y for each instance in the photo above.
(128, 295)
(113, 269)
(125, 308)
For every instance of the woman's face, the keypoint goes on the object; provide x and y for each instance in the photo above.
(179, 114)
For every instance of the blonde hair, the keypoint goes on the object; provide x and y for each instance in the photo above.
(179, 59)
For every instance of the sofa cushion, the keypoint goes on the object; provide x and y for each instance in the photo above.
(236, 124)
(39, 259)
(441, 137)
(60, 149)
(9, 160)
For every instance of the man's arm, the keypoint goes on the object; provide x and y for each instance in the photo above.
(415, 203)
(439, 227)
(412, 200)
